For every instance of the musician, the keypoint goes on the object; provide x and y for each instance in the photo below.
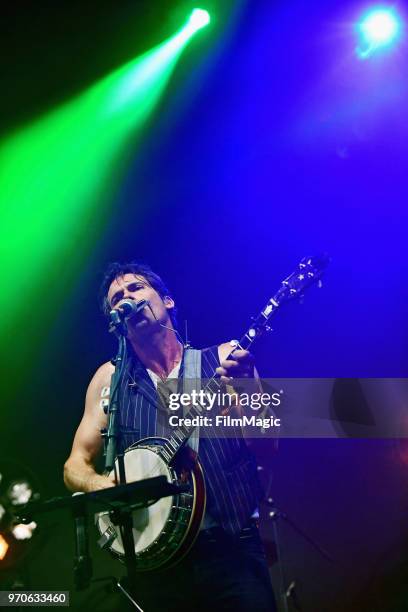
(226, 568)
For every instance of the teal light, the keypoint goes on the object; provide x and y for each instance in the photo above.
(198, 19)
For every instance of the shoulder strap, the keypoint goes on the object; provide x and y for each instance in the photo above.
(192, 364)
(192, 380)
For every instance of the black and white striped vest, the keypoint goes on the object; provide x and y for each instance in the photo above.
(233, 490)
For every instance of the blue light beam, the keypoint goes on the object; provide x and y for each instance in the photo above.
(378, 28)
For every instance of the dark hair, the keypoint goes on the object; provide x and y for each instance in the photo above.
(116, 270)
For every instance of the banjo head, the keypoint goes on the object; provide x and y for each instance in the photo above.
(148, 523)
(164, 531)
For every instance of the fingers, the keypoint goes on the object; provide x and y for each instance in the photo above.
(241, 354)
(99, 481)
(241, 365)
(223, 378)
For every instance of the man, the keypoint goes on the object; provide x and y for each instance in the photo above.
(226, 567)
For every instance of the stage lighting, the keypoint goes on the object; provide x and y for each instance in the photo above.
(20, 492)
(378, 28)
(17, 486)
(199, 18)
(48, 189)
(24, 531)
(3, 547)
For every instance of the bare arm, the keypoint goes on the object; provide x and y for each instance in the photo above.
(79, 469)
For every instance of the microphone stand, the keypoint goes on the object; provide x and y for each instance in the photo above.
(112, 434)
(289, 593)
(123, 518)
(133, 495)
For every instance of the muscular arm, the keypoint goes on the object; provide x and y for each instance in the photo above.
(79, 469)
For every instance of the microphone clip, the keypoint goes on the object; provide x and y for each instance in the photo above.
(117, 326)
(119, 316)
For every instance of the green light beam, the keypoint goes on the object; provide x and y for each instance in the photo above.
(58, 174)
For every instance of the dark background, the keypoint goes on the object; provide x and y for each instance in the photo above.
(272, 141)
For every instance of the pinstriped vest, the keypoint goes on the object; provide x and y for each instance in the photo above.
(233, 490)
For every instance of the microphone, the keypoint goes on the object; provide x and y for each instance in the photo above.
(128, 309)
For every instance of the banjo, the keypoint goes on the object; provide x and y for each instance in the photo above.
(165, 530)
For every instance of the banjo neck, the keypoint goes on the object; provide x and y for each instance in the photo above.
(182, 433)
(307, 273)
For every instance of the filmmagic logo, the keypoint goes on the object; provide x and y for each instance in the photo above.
(255, 401)
(225, 421)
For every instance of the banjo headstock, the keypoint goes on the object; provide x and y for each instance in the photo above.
(308, 272)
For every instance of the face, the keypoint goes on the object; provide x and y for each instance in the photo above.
(136, 287)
